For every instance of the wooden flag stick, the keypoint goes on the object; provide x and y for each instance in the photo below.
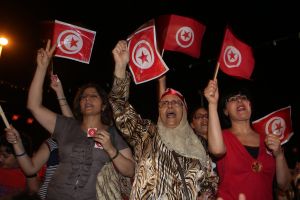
(4, 117)
(216, 71)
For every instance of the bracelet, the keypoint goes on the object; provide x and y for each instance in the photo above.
(31, 176)
(117, 153)
(21, 154)
(61, 98)
(63, 104)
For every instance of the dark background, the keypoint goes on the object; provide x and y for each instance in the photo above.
(271, 29)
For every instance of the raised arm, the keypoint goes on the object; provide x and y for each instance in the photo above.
(162, 85)
(215, 138)
(121, 57)
(128, 121)
(43, 115)
(29, 165)
(56, 85)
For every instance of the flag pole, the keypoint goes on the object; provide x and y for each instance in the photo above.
(216, 71)
(161, 81)
(4, 117)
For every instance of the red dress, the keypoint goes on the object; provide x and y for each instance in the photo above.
(241, 173)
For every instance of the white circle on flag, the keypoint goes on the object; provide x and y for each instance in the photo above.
(69, 42)
(232, 57)
(276, 126)
(142, 55)
(185, 37)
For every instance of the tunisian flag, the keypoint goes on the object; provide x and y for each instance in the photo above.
(182, 34)
(236, 58)
(145, 63)
(73, 42)
(278, 122)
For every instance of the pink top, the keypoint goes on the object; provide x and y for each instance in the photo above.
(241, 173)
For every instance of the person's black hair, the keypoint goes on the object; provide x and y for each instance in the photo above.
(106, 114)
(193, 111)
(225, 94)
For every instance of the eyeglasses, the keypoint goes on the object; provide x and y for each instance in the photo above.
(237, 98)
(90, 96)
(200, 116)
(174, 103)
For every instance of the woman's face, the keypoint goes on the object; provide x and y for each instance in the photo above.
(238, 107)
(90, 102)
(171, 110)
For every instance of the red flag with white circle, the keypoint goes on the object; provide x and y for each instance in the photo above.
(278, 122)
(145, 62)
(73, 42)
(181, 34)
(236, 58)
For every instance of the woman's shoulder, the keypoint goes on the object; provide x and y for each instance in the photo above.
(67, 120)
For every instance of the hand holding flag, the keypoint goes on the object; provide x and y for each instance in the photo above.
(278, 123)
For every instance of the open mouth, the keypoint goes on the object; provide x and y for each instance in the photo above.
(171, 114)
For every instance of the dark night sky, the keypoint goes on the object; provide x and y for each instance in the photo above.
(271, 29)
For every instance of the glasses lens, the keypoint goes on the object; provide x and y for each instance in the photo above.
(172, 103)
(201, 116)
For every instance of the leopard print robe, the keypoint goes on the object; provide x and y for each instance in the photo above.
(157, 176)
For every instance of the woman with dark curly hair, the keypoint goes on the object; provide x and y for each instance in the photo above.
(85, 143)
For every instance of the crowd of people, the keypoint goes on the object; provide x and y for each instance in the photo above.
(102, 148)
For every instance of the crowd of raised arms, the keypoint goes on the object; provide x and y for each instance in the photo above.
(102, 148)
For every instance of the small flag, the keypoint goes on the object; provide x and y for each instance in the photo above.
(236, 58)
(145, 63)
(278, 122)
(73, 42)
(182, 34)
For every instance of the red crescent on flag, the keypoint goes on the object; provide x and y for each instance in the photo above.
(143, 55)
(64, 40)
(232, 57)
(185, 37)
(272, 126)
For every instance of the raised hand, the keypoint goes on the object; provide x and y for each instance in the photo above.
(12, 135)
(211, 92)
(56, 85)
(121, 54)
(44, 55)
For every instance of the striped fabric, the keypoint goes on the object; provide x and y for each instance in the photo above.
(51, 166)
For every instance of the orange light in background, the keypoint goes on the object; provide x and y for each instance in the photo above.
(3, 41)
(29, 120)
(15, 117)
